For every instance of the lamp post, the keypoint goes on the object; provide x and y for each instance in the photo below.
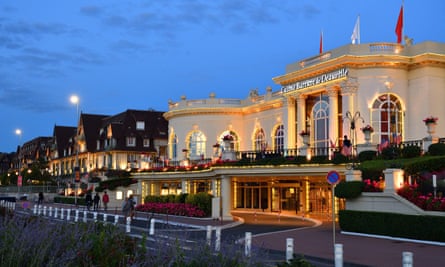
(74, 99)
(352, 127)
(19, 176)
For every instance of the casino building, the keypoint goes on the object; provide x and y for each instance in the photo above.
(391, 87)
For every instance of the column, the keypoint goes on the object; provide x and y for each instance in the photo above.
(333, 113)
(184, 187)
(301, 109)
(349, 94)
(291, 135)
(226, 197)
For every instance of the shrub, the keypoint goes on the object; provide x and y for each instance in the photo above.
(391, 152)
(411, 151)
(393, 224)
(437, 149)
(339, 158)
(349, 189)
(201, 200)
(367, 155)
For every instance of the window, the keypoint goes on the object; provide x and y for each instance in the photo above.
(140, 125)
(197, 144)
(386, 119)
(131, 141)
(146, 142)
(279, 138)
(260, 140)
(320, 114)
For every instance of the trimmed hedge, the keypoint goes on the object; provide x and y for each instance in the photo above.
(392, 224)
(201, 200)
(349, 189)
(437, 149)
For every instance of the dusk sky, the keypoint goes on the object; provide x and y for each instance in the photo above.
(118, 55)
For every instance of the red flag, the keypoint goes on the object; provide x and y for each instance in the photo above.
(321, 42)
(399, 26)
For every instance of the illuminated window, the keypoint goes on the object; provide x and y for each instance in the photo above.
(140, 125)
(386, 119)
(279, 138)
(131, 141)
(260, 140)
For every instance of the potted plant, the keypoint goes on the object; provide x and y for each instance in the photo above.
(305, 135)
(367, 130)
(430, 123)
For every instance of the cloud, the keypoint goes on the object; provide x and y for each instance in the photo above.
(91, 11)
(24, 99)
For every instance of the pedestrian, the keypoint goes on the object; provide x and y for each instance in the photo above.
(105, 200)
(347, 147)
(88, 200)
(126, 208)
(40, 198)
(96, 201)
(132, 204)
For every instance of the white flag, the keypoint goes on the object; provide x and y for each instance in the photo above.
(356, 32)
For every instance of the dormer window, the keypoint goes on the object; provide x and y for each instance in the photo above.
(140, 125)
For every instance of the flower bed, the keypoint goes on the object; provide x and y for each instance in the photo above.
(426, 202)
(430, 119)
(180, 209)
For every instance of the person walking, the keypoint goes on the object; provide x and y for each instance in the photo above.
(126, 208)
(88, 200)
(96, 201)
(40, 199)
(105, 200)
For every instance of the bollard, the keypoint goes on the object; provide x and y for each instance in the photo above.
(218, 239)
(407, 259)
(55, 212)
(68, 214)
(105, 218)
(248, 244)
(44, 210)
(289, 249)
(152, 227)
(95, 216)
(209, 235)
(116, 219)
(39, 210)
(61, 213)
(338, 252)
(34, 209)
(85, 216)
(50, 212)
(128, 225)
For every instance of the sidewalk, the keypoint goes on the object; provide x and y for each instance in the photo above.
(318, 241)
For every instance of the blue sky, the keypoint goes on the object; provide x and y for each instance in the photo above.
(117, 55)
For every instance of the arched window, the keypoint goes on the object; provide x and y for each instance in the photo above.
(174, 146)
(320, 115)
(234, 145)
(260, 140)
(386, 119)
(279, 138)
(197, 145)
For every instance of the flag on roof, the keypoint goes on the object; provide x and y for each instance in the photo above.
(355, 37)
(399, 26)
(321, 42)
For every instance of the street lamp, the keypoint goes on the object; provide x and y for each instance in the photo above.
(352, 127)
(19, 176)
(74, 99)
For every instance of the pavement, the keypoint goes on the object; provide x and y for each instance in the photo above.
(314, 238)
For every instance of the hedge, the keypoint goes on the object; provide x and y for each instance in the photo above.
(417, 227)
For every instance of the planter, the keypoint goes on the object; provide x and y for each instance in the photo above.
(305, 138)
(430, 128)
(367, 137)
